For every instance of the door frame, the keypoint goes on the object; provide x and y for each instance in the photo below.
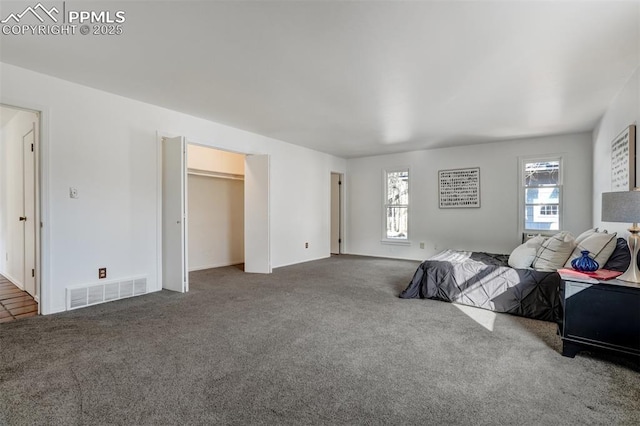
(41, 180)
(341, 211)
(29, 262)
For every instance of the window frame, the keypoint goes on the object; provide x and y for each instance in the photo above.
(386, 206)
(522, 204)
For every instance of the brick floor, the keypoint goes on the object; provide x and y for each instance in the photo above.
(15, 303)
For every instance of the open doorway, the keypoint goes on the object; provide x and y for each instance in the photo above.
(336, 213)
(19, 216)
(215, 207)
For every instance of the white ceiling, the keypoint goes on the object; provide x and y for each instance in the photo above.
(359, 78)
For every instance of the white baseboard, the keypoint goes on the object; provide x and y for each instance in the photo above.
(385, 256)
(302, 261)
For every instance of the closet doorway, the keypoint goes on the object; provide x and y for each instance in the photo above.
(215, 207)
(224, 231)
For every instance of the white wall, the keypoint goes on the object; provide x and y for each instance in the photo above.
(298, 202)
(11, 200)
(105, 145)
(623, 111)
(216, 222)
(491, 228)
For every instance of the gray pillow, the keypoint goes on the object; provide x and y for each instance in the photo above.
(621, 257)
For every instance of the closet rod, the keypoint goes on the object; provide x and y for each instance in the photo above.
(208, 173)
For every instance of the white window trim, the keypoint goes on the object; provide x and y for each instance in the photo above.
(521, 192)
(384, 239)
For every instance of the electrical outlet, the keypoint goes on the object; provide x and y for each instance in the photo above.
(102, 273)
(422, 245)
(73, 192)
(306, 245)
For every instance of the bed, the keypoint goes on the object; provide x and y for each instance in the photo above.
(485, 280)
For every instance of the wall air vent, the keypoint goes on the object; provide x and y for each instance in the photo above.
(126, 289)
(76, 298)
(139, 286)
(111, 292)
(93, 294)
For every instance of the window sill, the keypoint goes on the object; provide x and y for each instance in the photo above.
(396, 242)
(543, 232)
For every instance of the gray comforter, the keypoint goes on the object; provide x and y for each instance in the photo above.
(486, 281)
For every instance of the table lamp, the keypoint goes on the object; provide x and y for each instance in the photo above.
(625, 207)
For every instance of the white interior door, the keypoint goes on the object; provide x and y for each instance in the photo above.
(257, 248)
(174, 216)
(29, 210)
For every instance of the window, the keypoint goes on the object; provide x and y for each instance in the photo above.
(396, 205)
(541, 194)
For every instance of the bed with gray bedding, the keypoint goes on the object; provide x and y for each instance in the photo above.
(486, 281)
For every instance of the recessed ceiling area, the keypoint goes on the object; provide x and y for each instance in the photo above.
(359, 78)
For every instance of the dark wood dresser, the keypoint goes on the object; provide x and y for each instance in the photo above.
(604, 315)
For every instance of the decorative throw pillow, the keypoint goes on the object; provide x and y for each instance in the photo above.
(522, 256)
(599, 245)
(586, 234)
(621, 257)
(554, 252)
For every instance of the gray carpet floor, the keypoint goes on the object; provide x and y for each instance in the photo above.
(325, 342)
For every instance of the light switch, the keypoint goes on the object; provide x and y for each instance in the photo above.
(73, 192)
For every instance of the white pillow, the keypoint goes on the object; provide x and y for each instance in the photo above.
(585, 234)
(600, 246)
(522, 256)
(554, 252)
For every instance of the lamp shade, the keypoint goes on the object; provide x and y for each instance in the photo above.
(621, 206)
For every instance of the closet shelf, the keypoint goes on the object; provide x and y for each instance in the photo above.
(212, 174)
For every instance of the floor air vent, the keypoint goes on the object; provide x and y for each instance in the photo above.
(93, 294)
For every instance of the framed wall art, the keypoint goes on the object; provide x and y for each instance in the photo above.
(623, 160)
(459, 188)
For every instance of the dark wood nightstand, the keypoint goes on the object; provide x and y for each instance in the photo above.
(603, 314)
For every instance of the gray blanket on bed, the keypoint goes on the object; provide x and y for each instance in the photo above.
(486, 281)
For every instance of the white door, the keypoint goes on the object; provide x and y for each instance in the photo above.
(335, 213)
(174, 216)
(257, 248)
(28, 217)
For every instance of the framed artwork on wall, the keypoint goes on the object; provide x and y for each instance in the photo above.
(623, 160)
(459, 188)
